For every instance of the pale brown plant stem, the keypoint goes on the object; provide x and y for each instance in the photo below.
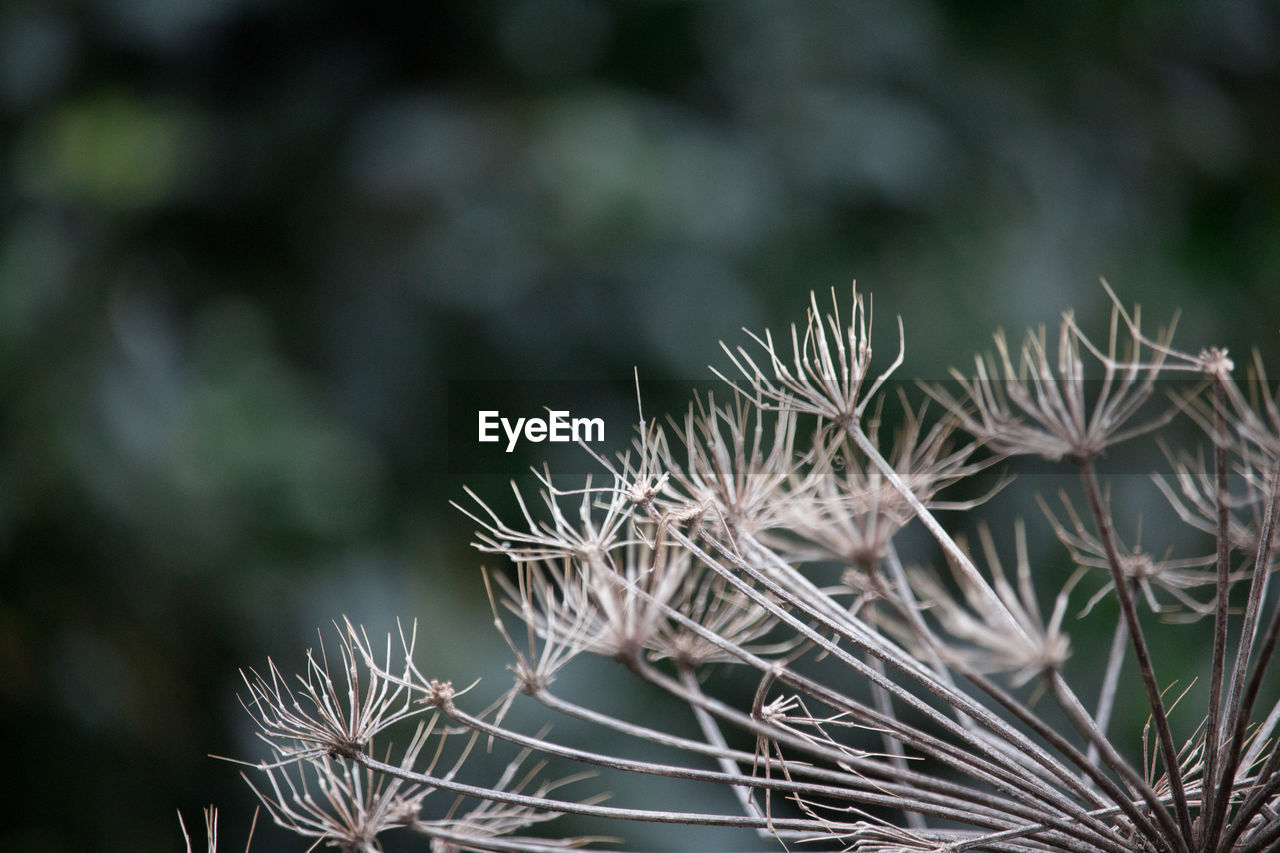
(893, 746)
(1110, 681)
(1258, 798)
(589, 809)
(940, 749)
(1239, 706)
(1123, 594)
(851, 426)
(787, 786)
(744, 792)
(1082, 825)
(1213, 727)
(1020, 787)
(494, 844)
(966, 565)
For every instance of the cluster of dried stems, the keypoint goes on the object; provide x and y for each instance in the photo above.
(894, 709)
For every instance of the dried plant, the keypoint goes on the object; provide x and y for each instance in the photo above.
(893, 709)
(211, 831)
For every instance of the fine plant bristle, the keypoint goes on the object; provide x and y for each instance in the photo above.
(893, 706)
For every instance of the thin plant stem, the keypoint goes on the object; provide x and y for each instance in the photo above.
(462, 841)
(972, 575)
(789, 786)
(1213, 727)
(940, 749)
(893, 746)
(1240, 707)
(1145, 667)
(1110, 681)
(1258, 797)
(588, 809)
(1079, 821)
(954, 551)
(714, 737)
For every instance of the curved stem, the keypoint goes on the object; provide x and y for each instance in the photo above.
(710, 731)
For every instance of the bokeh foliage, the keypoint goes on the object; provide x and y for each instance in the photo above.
(246, 244)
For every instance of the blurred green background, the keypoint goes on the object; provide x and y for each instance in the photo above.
(245, 246)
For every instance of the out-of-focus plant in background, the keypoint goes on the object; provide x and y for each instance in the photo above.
(245, 246)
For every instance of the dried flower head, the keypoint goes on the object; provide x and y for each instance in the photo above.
(845, 509)
(1191, 491)
(592, 532)
(318, 717)
(480, 826)
(710, 602)
(549, 598)
(734, 464)
(1042, 647)
(340, 803)
(1139, 567)
(1041, 405)
(829, 370)
(876, 722)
